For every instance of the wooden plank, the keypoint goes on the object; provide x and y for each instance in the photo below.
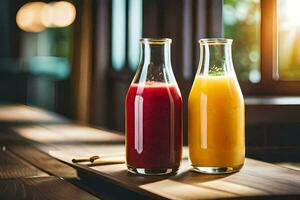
(54, 167)
(44, 161)
(273, 181)
(18, 114)
(64, 142)
(12, 166)
(24, 148)
(57, 137)
(67, 134)
(41, 188)
(294, 166)
(21, 180)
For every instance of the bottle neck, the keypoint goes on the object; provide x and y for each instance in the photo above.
(156, 54)
(155, 61)
(215, 59)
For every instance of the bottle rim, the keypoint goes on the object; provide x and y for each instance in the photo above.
(214, 41)
(156, 40)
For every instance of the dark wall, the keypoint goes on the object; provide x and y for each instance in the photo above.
(12, 80)
(274, 142)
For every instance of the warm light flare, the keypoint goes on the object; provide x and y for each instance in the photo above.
(58, 14)
(291, 15)
(28, 17)
(36, 16)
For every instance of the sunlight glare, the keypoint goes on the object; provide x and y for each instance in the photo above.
(291, 13)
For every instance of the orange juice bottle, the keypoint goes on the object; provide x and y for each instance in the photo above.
(216, 129)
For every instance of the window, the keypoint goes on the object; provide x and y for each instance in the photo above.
(118, 33)
(134, 31)
(288, 28)
(132, 18)
(265, 49)
(241, 21)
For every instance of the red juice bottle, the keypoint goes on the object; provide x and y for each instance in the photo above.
(154, 113)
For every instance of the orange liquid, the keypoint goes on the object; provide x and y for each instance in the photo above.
(216, 122)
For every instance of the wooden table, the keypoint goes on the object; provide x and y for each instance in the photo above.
(35, 163)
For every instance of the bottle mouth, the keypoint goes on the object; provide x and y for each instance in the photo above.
(214, 41)
(155, 40)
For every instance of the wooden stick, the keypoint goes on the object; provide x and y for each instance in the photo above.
(107, 161)
(86, 159)
(93, 158)
(77, 160)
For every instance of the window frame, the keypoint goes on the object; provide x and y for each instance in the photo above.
(269, 86)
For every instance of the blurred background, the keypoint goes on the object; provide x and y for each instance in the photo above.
(77, 58)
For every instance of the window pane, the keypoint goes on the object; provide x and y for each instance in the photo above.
(134, 31)
(118, 33)
(241, 20)
(288, 15)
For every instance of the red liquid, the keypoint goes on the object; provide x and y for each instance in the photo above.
(153, 126)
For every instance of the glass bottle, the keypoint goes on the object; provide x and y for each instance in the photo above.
(154, 113)
(216, 127)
